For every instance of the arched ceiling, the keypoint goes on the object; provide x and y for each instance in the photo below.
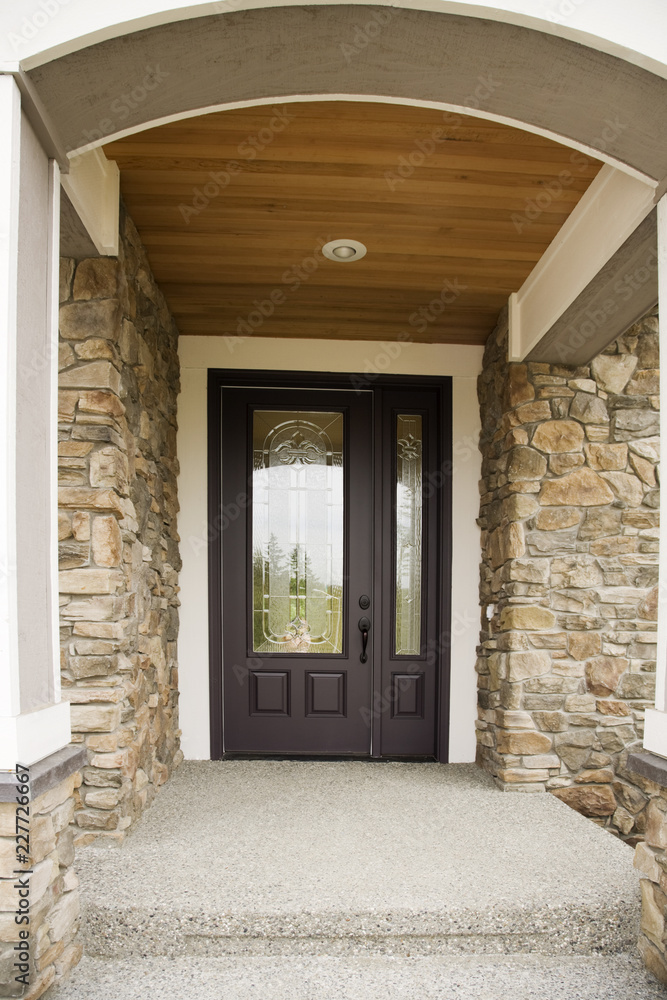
(455, 212)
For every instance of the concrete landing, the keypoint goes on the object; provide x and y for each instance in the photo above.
(283, 858)
(520, 977)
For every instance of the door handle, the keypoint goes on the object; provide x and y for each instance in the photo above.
(364, 628)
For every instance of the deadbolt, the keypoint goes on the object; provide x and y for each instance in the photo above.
(364, 601)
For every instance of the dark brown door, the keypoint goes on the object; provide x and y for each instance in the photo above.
(330, 584)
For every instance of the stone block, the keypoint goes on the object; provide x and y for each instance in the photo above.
(517, 387)
(613, 371)
(109, 470)
(92, 375)
(89, 581)
(645, 383)
(530, 413)
(590, 800)
(101, 402)
(629, 796)
(527, 617)
(554, 519)
(74, 497)
(524, 742)
(582, 645)
(96, 718)
(522, 665)
(557, 436)
(107, 542)
(630, 424)
(552, 722)
(64, 916)
(518, 506)
(607, 457)
(653, 958)
(581, 488)
(515, 720)
(80, 320)
(580, 703)
(656, 823)
(589, 409)
(96, 278)
(603, 674)
(606, 706)
(82, 667)
(525, 463)
(645, 861)
(626, 487)
(549, 761)
(528, 570)
(610, 547)
(578, 571)
(647, 448)
(654, 901)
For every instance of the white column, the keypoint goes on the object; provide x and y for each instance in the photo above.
(655, 733)
(33, 721)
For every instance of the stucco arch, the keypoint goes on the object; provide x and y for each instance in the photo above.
(575, 94)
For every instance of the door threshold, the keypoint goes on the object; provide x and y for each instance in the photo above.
(240, 755)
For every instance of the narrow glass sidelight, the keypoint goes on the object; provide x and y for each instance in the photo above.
(408, 534)
(297, 532)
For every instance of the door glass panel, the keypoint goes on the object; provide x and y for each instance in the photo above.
(297, 532)
(408, 540)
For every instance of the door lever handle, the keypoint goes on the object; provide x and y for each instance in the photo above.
(364, 628)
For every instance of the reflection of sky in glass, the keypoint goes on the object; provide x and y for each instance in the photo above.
(297, 531)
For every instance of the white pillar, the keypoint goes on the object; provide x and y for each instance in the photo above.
(655, 733)
(33, 721)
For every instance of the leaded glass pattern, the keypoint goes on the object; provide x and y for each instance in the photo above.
(408, 540)
(297, 532)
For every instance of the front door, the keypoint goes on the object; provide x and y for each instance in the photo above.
(330, 509)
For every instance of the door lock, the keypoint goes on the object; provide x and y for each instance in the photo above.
(364, 602)
(364, 628)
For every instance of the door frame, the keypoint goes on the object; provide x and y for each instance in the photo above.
(219, 377)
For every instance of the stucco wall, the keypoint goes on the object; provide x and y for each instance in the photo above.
(570, 570)
(119, 558)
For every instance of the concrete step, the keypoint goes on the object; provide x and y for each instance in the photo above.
(621, 977)
(280, 858)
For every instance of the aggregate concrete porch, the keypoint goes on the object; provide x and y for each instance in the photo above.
(285, 878)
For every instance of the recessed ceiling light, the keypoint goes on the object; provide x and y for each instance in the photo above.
(344, 251)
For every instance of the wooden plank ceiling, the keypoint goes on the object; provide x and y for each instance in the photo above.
(455, 212)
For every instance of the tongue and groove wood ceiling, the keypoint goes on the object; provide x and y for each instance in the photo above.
(455, 212)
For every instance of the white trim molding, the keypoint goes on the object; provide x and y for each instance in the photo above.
(32, 736)
(93, 187)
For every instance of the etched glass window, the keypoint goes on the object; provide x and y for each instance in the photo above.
(408, 540)
(297, 532)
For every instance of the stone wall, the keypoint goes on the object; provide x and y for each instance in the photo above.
(53, 948)
(569, 517)
(119, 559)
(651, 860)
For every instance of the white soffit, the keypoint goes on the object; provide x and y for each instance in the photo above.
(608, 213)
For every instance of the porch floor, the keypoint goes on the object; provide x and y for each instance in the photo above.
(289, 878)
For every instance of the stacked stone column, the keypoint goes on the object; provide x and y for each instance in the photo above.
(569, 513)
(119, 556)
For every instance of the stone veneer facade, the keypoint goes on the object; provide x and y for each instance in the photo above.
(651, 860)
(54, 893)
(569, 517)
(119, 558)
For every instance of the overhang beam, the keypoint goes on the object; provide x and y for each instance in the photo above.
(598, 276)
(92, 187)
